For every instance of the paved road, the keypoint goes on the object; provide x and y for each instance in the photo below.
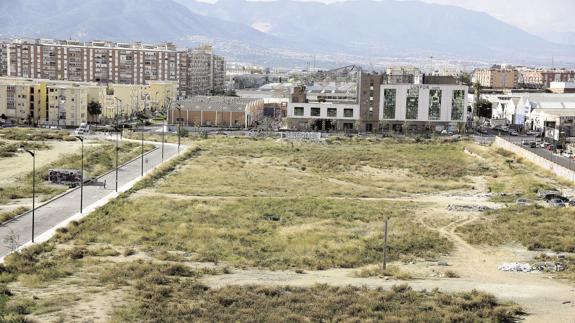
(560, 160)
(51, 214)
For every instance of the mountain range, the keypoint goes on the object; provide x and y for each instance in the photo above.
(287, 31)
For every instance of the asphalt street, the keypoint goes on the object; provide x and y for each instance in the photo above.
(49, 215)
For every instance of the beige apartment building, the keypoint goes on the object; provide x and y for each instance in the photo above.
(497, 77)
(62, 103)
(197, 71)
(542, 78)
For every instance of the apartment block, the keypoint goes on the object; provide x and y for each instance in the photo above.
(64, 103)
(197, 71)
(542, 78)
(497, 77)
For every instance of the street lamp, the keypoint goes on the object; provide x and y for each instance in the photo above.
(166, 116)
(82, 176)
(33, 154)
(118, 101)
(179, 107)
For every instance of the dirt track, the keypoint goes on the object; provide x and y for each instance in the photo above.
(542, 297)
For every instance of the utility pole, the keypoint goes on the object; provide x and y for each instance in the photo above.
(166, 116)
(118, 101)
(33, 154)
(82, 176)
(179, 107)
(385, 245)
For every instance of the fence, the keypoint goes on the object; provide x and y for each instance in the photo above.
(541, 161)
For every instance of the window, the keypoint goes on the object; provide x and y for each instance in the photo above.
(434, 104)
(348, 113)
(315, 112)
(389, 101)
(457, 105)
(412, 103)
(332, 112)
(298, 111)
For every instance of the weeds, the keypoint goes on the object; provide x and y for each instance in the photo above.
(534, 227)
(186, 300)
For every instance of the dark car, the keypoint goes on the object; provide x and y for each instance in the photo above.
(556, 203)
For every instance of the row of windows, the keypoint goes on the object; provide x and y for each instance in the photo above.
(316, 112)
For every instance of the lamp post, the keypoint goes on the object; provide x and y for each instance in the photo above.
(179, 107)
(82, 176)
(166, 116)
(33, 154)
(118, 101)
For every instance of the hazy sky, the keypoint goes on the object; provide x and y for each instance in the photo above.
(535, 16)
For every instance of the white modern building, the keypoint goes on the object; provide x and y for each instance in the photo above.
(321, 115)
(421, 104)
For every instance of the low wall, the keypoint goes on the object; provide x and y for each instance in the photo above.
(536, 159)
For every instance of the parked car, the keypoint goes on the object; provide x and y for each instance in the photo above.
(533, 133)
(556, 203)
(567, 154)
(514, 133)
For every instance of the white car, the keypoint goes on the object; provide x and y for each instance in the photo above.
(567, 154)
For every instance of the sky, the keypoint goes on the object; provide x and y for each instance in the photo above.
(540, 17)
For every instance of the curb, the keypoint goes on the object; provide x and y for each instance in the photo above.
(47, 235)
(69, 191)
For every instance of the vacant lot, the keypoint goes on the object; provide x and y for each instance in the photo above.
(346, 168)
(273, 207)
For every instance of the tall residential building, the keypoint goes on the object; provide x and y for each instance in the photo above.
(497, 77)
(198, 71)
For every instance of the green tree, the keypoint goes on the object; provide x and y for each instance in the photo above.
(94, 108)
(484, 108)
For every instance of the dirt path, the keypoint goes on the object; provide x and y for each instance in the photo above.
(545, 299)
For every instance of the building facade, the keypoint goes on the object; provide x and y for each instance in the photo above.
(210, 111)
(198, 71)
(497, 77)
(419, 106)
(542, 78)
(64, 103)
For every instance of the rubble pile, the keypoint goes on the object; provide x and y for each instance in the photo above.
(546, 266)
(468, 208)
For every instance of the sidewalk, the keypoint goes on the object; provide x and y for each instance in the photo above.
(61, 211)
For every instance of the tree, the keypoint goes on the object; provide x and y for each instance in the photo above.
(484, 108)
(94, 109)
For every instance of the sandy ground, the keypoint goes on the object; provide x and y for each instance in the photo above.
(13, 167)
(545, 299)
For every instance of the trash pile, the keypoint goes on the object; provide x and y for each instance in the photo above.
(536, 267)
(468, 208)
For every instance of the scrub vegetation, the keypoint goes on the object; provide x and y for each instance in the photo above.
(232, 203)
(97, 161)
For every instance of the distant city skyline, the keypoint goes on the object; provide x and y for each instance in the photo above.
(539, 17)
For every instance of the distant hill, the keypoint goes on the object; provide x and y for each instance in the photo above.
(120, 20)
(386, 28)
(287, 32)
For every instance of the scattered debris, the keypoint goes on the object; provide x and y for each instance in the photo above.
(468, 208)
(537, 267)
(272, 217)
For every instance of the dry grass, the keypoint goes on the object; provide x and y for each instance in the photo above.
(274, 233)
(248, 167)
(162, 298)
(535, 227)
(97, 161)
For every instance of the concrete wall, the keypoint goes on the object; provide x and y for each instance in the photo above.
(536, 159)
